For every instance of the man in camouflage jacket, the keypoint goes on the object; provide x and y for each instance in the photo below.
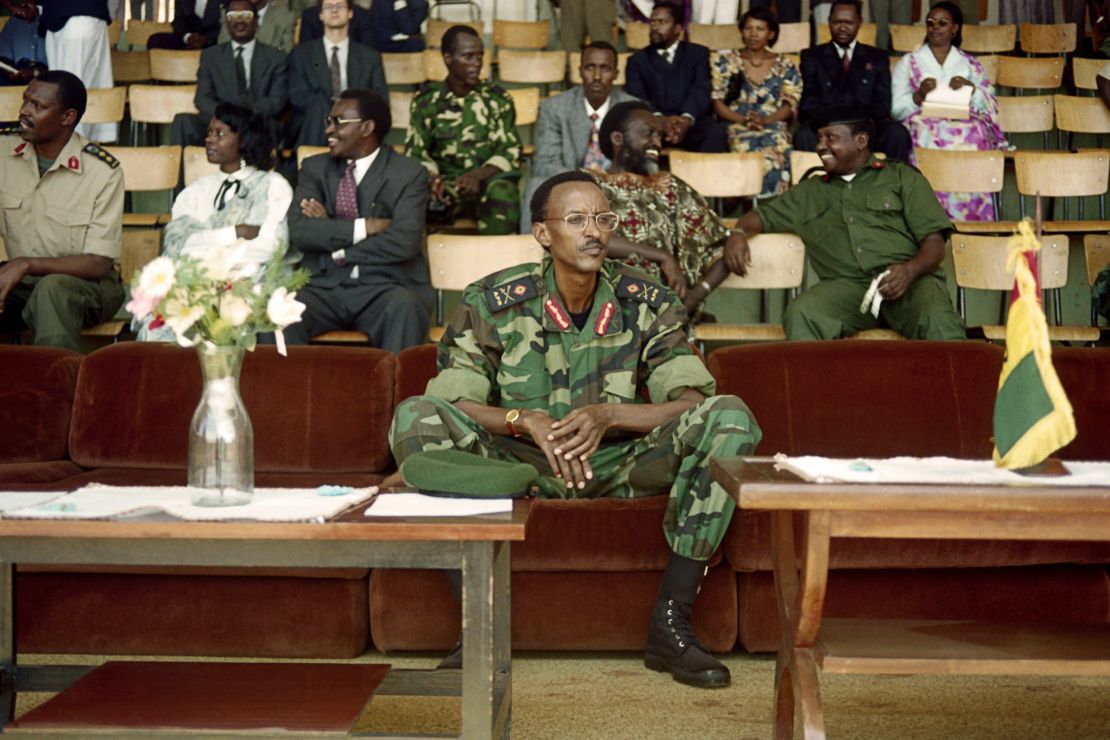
(549, 364)
(464, 132)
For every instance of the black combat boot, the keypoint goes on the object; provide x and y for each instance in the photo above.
(672, 645)
(454, 658)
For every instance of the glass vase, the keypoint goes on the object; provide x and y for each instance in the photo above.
(221, 440)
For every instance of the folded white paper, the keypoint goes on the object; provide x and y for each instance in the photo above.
(944, 102)
(419, 504)
(934, 470)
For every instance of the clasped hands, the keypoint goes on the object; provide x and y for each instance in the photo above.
(569, 442)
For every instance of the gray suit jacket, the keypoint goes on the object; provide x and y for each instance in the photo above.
(396, 188)
(269, 84)
(310, 85)
(562, 137)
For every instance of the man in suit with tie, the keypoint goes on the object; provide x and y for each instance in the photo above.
(196, 25)
(567, 132)
(243, 71)
(673, 76)
(846, 72)
(322, 68)
(362, 25)
(358, 218)
(275, 24)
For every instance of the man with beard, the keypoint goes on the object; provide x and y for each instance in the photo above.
(667, 229)
(567, 135)
(548, 364)
(63, 218)
(464, 132)
(673, 76)
(844, 71)
(874, 233)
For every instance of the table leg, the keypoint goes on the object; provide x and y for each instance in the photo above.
(486, 657)
(7, 646)
(800, 595)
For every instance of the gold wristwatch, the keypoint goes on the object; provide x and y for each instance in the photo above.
(510, 422)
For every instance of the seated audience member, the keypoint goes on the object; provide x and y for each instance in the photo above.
(196, 25)
(276, 23)
(567, 135)
(21, 46)
(714, 11)
(76, 36)
(673, 76)
(941, 62)
(358, 219)
(241, 71)
(863, 80)
(240, 209)
(874, 234)
(581, 18)
(464, 132)
(755, 91)
(362, 25)
(63, 218)
(396, 25)
(322, 68)
(555, 376)
(666, 228)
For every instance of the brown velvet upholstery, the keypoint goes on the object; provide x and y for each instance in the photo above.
(1087, 384)
(415, 367)
(36, 394)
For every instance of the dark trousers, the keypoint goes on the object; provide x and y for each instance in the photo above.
(706, 135)
(891, 138)
(56, 307)
(392, 316)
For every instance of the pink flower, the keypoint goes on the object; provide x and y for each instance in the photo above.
(141, 303)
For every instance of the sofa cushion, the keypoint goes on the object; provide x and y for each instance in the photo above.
(36, 473)
(415, 367)
(36, 394)
(321, 409)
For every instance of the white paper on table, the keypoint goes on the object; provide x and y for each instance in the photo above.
(11, 500)
(419, 504)
(944, 102)
(934, 470)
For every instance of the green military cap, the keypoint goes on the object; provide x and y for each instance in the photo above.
(466, 475)
(831, 115)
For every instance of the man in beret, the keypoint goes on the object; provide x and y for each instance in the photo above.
(552, 364)
(874, 233)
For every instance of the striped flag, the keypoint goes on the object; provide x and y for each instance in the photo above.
(1032, 415)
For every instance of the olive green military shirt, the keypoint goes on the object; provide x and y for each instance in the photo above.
(76, 207)
(856, 229)
(512, 344)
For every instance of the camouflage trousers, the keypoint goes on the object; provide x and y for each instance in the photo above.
(674, 455)
(496, 207)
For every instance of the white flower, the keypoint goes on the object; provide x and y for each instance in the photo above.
(157, 277)
(216, 262)
(283, 309)
(234, 309)
(180, 317)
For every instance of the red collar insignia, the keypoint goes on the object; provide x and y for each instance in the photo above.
(19, 149)
(878, 164)
(556, 313)
(604, 318)
(74, 163)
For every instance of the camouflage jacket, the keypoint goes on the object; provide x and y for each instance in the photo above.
(512, 344)
(451, 135)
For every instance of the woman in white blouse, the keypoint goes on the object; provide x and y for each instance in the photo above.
(941, 62)
(240, 209)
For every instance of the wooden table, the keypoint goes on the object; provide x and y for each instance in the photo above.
(477, 545)
(826, 510)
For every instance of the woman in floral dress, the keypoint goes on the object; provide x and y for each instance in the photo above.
(756, 93)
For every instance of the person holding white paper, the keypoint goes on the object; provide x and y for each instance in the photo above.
(940, 63)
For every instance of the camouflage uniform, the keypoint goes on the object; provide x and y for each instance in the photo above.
(451, 136)
(512, 344)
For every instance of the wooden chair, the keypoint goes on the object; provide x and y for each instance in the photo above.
(1064, 175)
(717, 176)
(11, 100)
(1080, 115)
(404, 68)
(955, 171)
(1021, 73)
(148, 169)
(532, 67)
(1085, 72)
(400, 109)
(521, 34)
(3, 22)
(990, 66)
(167, 65)
(195, 163)
(130, 66)
(433, 36)
(158, 104)
(980, 264)
(778, 263)
(715, 35)
(139, 32)
(868, 32)
(139, 247)
(1096, 255)
(526, 100)
(801, 163)
(457, 260)
(793, 38)
(1047, 38)
(306, 151)
(435, 70)
(105, 105)
(1026, 114)
(636, 35)
(989, 38)
(114, 29)
(905, 37)
(574, 61)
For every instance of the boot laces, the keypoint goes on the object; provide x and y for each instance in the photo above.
(679, 627)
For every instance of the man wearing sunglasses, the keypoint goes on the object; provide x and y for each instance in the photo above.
(276, 23)
(579, 366)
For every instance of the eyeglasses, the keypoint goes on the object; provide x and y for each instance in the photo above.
(239, 15)
(937, 22)
(337, 121)
(333, 7)
(606, 221)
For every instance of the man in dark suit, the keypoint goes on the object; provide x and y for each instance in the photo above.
(320, 69)
(358, 218)
(362, 24)
(862, 80)
(242, 71)
(196, 25)
(673, 76)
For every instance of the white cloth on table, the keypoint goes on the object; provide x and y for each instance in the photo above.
(81, 47)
